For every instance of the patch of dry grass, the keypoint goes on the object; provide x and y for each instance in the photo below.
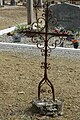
(19, 77)
(12, 16)
(20, 74)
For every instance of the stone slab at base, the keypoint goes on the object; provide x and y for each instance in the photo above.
(48, 107)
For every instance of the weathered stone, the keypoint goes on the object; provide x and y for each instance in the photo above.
(16, 38)
(48, 107)
(67, 15)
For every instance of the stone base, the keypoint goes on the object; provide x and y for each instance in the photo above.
(48, 107)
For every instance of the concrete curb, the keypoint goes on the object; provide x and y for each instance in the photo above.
(7, 30)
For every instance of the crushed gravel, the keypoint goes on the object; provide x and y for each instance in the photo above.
(21, 43)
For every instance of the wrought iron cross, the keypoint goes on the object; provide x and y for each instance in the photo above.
(43, 33)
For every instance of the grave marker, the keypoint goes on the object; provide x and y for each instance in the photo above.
(67, 15)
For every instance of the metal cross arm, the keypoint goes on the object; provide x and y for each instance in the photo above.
(43, 33)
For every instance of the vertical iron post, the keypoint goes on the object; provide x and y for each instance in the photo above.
(45, 61)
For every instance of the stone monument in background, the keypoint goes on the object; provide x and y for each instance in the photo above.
(67, 15)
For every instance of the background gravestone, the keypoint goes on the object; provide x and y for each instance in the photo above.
(67, 15)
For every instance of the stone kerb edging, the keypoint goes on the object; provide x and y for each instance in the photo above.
(7, 30)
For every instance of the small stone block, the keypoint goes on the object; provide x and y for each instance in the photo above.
(47, 107)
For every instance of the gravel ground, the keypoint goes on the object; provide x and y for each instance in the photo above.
(20, 74)
(27, 41)
(32, 49)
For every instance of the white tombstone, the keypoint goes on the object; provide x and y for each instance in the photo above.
(67, 15)
(1, 2)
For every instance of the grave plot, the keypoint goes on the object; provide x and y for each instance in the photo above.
(42, 35)
(49, 103)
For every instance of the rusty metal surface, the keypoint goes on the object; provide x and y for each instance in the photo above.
(41, 35)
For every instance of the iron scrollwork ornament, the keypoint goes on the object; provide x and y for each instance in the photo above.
(46, 39)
